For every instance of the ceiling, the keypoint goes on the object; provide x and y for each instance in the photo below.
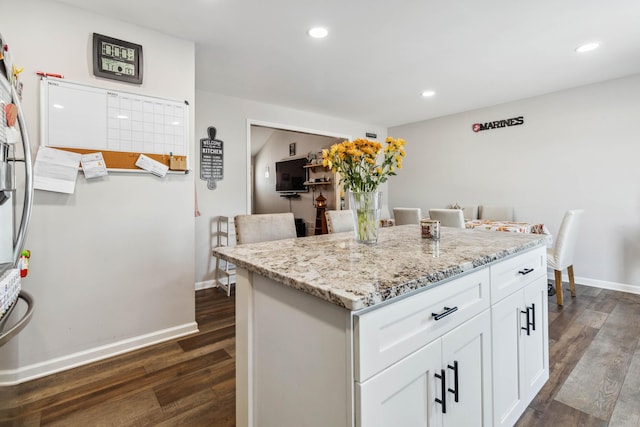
(381, 54)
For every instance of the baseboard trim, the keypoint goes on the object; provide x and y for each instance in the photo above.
(37, 370)
(595, 283)
(206, 285)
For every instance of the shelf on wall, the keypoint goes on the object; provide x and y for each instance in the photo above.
(312, 166)
(317, 183)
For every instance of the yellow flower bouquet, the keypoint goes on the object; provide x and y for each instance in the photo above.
(360, 173)
(356, 161)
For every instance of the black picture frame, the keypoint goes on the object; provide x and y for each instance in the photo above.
(292, 149)
(117, 59)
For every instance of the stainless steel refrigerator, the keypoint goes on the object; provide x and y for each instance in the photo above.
(16, 194)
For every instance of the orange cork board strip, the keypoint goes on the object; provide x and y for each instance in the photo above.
(125, 160)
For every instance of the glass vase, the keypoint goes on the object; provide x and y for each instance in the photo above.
(366, 215)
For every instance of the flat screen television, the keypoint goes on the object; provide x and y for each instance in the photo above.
(291, 176)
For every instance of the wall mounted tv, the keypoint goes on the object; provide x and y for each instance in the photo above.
(291, 176)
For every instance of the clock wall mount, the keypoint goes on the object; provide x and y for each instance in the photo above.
(117, 59)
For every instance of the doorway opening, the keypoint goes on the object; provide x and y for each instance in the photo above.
(270, 143)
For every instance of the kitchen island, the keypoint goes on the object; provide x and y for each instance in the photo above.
(407, 332)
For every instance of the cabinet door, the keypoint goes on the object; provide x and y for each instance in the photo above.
(536, 344)
(507, 351)
(403, 394)
(466, 355)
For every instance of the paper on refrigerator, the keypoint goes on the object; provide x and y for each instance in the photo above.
(55, 170)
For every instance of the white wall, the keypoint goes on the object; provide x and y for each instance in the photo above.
(232, 118)
(577, 149)
(112, 265)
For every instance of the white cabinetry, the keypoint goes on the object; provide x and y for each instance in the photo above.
(445, 378)
(520, 337)
(305, 361)
(441, 384)
(411, 356)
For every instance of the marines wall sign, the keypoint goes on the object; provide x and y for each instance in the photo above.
(514, 121)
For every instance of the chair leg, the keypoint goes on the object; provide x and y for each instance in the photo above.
(558, 275)
(572, 282)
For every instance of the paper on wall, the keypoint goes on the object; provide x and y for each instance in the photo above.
(55, 170)
(150, 165)
(93, 165)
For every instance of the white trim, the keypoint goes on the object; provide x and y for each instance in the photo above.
(37, 370)
(279, 126)
(206, 285)
(595, 283)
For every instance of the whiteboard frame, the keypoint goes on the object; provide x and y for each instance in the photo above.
(44, 122)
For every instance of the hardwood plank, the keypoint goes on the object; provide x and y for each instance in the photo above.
(627, 410)
(563, 356)
(560, 415)
(130, 410)
(218, 412)
(606, 301)
(172, 391)
(39, 392)
(206, 415)
(103, 392)
(597, 379)
(59, 395)
(592, 318)
(530, 418)
(200, 340)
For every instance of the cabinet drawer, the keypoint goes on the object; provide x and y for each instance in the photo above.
(388, 334)
(512, 274)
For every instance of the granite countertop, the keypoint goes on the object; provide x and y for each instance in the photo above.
(337, 269)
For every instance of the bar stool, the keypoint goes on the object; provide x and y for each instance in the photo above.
(264, 227)
(339, 221)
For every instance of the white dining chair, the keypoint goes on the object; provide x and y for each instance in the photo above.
(496, 213)
(264, 227)
(561, 255)
(404, 216)
(339, 221)
(469, 212)
(448, 217)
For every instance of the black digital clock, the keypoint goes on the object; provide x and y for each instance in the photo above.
(117, 59)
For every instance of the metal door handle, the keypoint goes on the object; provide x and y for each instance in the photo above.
(455, 380)
(443, 390)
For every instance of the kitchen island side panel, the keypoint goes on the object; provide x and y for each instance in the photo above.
(301, 357)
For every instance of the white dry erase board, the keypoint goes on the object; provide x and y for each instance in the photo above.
(86, 119)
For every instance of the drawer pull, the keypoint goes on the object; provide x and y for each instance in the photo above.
(443, 388)
(525, 271)
(447, 311)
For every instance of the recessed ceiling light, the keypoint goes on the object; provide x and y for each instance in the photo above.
(587, 47)
(318, 32)
(428, 93)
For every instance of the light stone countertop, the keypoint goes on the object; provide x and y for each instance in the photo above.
(337, 269)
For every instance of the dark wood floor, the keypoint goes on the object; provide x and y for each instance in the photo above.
(594, 379)
(184, 382)
(594, 358)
